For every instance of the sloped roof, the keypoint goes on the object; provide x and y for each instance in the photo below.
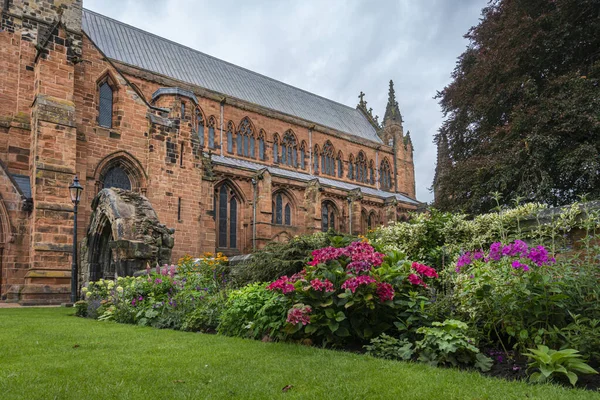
(130, 45)
(234, 162)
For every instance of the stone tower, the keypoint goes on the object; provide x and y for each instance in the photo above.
(45, 40)
(392, 134)
(443, 163)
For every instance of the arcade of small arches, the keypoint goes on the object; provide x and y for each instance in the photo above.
(245, 141)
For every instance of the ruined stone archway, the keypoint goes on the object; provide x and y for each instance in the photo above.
(123, 236)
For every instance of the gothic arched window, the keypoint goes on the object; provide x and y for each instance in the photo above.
(340, 165)
(116, 177)
(316, 160)
(282, 210)
(245, 138)
(276, 148)
(261, 145)
(327, 161)
(328, 216)
(385, 176)
(211, 132)
(105, 109)
(226, 214)
(230, 137)
(351, 167)
(371, 173)
(303, 155)
(199, 123)
(361, 168)
(289, 149)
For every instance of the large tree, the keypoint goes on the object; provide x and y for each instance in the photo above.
(522, 114)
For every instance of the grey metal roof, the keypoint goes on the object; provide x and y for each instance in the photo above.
(23, 183)
(135, 47)
(235, 162)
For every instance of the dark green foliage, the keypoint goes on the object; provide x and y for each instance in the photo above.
(278, 259)
(388, 347)
(551, 363)
(522, 112)
(254, 312)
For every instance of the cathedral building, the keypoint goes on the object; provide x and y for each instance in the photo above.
(228, 158)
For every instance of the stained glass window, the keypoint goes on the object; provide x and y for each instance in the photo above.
(227, 217)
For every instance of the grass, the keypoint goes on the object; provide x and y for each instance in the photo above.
(50, 354)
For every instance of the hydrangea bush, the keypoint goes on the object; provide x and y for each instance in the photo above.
(350, 294)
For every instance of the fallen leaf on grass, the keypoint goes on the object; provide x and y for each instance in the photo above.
(178, 381)
(76, 346)
(286, 388)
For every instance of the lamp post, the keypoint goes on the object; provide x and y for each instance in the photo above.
(75, 190)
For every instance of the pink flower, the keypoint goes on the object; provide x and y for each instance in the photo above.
(325, 254)
(424, 270)
(299, 314)
(416, 280)
(362, 251)
(357, 267)
(319, 285)
(385, 292)
(300, 276)
(284, 284)
(354, 283)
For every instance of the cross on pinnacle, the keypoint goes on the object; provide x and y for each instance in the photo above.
(361, 97)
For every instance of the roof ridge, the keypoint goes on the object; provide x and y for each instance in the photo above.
(216, 58)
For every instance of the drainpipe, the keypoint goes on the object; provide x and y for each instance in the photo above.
(310, 154)
(350, 214)
(377, 168)
(222, 109)
(254, 182)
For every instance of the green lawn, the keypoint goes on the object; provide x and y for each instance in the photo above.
(46, 353)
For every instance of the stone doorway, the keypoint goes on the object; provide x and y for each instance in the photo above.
(124, 236)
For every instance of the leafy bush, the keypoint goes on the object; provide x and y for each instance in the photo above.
(447, 343)
(438, 238)
(514, 292)
(254, 312)
(278, 259)
(388, 347)
(163, 298)
(551, 363)
(351, 294)
(583, 334)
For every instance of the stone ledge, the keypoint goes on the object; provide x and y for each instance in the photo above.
(66, 248)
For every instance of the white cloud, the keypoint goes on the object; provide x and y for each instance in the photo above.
(333, 48)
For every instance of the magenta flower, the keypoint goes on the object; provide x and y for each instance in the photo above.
(299, 314)
(283, 284)
(416, 280)
(424, 270)
(324, 285)
(385, 292)
(357, 267)
(354, 283)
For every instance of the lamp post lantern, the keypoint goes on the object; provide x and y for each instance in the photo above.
(75, 190)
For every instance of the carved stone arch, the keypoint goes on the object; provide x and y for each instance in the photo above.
(364, 220)
(124, 236)
(109, 77)
(6, 231)
(128, 164)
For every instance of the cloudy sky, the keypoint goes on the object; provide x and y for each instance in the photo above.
(334, 48)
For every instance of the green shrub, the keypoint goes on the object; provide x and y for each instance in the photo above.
(254, 312)
(388, 347)
(447, 343)
(551, 363)
(278, 259)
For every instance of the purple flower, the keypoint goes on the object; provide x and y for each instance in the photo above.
(500, 359)
(517, 264)
(539, 255)
(478, 255)
(516, 368)
(518, 248)
(495, 251)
